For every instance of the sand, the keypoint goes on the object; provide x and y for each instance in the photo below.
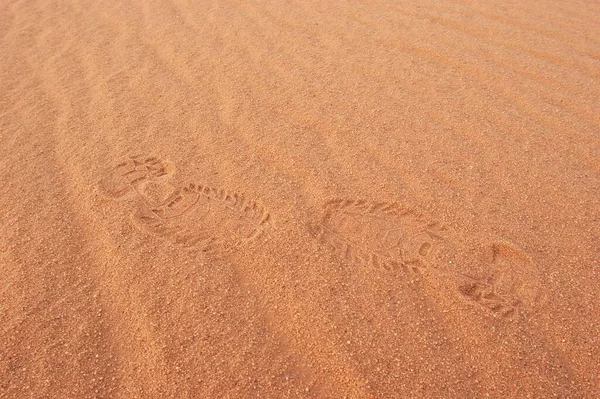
(272, 199)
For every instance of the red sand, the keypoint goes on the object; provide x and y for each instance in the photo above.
(363, 199)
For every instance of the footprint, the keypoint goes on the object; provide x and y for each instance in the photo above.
(512, 281)
(198, 216)
(400, 238)
(132, 173)
(195, 216)
(387, 235)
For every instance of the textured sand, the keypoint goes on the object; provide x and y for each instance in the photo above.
(363, 199)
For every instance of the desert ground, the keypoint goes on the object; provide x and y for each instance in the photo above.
(299, 199)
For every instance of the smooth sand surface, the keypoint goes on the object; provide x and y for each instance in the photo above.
(271, 199)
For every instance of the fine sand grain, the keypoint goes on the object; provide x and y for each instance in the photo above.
(272, 199)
